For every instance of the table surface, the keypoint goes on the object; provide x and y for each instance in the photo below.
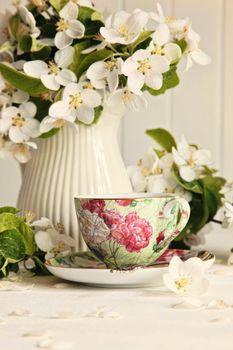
(47, 313)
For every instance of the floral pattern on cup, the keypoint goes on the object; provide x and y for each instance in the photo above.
(129, 232)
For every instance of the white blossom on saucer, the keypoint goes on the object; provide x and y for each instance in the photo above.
(161, 44)
(128, 99)
(194, 53)
(50, 239)
(123, 27)
(55, 73)
(186, 277)
(80, 100)
(19, 122)
(144, 68)
(103, 72)
(228, 215)
(28, 19)
(190, 160)
(59, 115)
(68, 27)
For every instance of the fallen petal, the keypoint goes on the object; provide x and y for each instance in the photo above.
(20, 312)
(218, 304)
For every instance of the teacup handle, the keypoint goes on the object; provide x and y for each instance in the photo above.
(185, 214)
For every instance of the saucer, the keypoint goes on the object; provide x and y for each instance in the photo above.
(85, 268)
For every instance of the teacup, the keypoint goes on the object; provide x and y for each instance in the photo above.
(125, 231)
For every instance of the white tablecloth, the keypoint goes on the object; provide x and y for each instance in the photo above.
(56, 315)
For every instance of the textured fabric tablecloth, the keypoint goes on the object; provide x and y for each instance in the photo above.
(47, 313)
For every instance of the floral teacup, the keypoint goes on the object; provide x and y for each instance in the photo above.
(125, 231)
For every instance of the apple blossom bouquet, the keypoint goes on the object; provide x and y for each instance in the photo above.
(184, 169)
(63, 62)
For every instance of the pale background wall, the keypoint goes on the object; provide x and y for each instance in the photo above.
(201, 107)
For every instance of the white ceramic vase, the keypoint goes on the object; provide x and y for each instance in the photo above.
(74, 163)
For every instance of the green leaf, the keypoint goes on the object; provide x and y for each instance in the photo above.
(142, 37)
(163, 138)
(182, 44)
(193, 186)
(92, 58)
(11, 210)
(50, 133)
(170, 80)
(85, 14)
(13, 25)
(28, 238)
(21, 81)
(98, 111)
(9, 221)
(78, 57)
(26, 43)
(159, 153)
(12, 247)
(58, 4)
(42, 54)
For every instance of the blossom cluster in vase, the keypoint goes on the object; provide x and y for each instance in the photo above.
(63, 63)
(184, 169)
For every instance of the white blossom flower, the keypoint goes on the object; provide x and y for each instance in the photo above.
(21, 151)
(59, 116)
(187, 277)
(68, 27)
(19, 122)
(50, 240)
(190, 160)
(175, 25)
(138, 181)
(144, 68)
(194, 53)
(96, 47)
(162, 45)
(54, 74)
(28, 19)
(228, 215)
(123, 27)
(103, 72)
(78, 102)
(128, 99)
(9, 94)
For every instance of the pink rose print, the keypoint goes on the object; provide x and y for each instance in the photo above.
(134, 233)
(185, 214)
(93, 205)
(124, 202)
(160, 237)
(111, 217)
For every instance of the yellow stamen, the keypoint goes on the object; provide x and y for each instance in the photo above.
(123, 29)
(59, 123)
(53, 68)
(170, 19)
(75, 100)
(110, 65)
(144, 66)
(62, 25)
(127, 96)
(88, 85)
(18, 121)
(182, 283)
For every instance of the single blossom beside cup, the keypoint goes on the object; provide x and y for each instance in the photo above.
(187, 277)
(50, 239)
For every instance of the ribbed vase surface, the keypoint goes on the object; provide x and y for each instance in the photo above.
(73, 163)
